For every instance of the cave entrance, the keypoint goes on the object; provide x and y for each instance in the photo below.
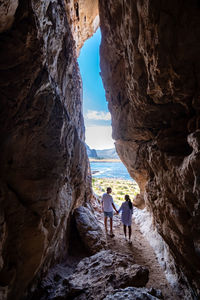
(106, 166)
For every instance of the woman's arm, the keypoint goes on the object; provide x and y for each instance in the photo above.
(120, 209)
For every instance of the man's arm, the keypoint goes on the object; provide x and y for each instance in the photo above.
(115, 208)
(102, 204)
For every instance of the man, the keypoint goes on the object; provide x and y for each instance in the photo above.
(107, 208)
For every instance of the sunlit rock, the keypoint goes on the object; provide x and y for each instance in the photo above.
(83, 16)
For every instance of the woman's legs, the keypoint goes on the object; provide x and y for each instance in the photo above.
(129, 232)
(125, 231)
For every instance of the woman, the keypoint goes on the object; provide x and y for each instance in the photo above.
(127, 211)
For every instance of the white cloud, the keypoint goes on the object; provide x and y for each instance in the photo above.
(98, 115)
(99, 137)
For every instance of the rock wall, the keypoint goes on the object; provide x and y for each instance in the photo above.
(83, 18)
(150, 69)
(43, 163)
(7, 12)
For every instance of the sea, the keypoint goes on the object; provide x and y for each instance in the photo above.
(109, 170)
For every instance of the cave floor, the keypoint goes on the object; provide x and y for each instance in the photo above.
(142, 252)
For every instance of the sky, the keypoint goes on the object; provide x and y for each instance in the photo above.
(95, 109)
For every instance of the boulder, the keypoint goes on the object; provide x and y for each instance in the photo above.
(98, 275)
(90, 232)
(94, 278)
(135, 293)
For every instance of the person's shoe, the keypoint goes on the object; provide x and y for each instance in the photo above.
(112, 234)
(125, 239)
(130, 242)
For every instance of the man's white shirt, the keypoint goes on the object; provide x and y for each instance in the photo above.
(107, 200)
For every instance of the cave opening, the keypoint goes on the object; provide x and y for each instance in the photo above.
(152, 51)
(106, 166)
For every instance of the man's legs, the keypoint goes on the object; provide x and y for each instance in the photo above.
(105, 223)
(111, 226)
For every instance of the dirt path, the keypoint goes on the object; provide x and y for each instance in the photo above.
(142, 253)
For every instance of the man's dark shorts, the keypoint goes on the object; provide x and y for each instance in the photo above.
(108, 214)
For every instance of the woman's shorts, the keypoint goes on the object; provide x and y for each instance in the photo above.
(108, 214)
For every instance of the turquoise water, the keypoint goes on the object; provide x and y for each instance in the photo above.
(109, 170)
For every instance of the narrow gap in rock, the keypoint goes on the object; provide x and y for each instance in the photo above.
(108, 170)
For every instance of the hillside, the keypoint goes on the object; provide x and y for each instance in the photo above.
(107, 153)
(102, 154)
(91, 152)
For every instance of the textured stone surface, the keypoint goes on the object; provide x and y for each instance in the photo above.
(83, 16)
(43, 163)
(150, 68)
(131, 293)
(93, 278)
(7, 12)
(89, 230)
(103, 272)
(98, 275)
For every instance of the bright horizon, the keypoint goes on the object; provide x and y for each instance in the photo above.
(97, 118)
(103, 141)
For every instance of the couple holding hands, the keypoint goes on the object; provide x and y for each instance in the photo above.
(126, 209)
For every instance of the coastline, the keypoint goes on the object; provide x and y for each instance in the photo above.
(104, 160)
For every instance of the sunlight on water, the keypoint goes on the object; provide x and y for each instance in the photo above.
(109, 170)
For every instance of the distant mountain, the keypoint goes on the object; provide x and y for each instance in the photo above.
(91, 152)
(107, 153)
(100, 154)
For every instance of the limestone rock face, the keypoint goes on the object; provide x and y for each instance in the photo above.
(7, 12)
(100, 274)
(89, 230)
(135, 293)
(43, 163)
(83, 17)
(150, 69)
(95, 277)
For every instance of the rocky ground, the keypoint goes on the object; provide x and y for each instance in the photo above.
(142, 253)
(102, 267)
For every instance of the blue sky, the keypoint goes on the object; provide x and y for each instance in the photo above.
(95, 110)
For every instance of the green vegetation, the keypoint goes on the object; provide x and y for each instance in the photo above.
(120, 188)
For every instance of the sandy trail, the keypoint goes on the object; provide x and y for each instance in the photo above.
(142, 253)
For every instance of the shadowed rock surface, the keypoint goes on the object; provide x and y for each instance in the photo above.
(150, 69)
(89, 230)
(135, 293)
(95, 277)
(43, 164)
(103, 272)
